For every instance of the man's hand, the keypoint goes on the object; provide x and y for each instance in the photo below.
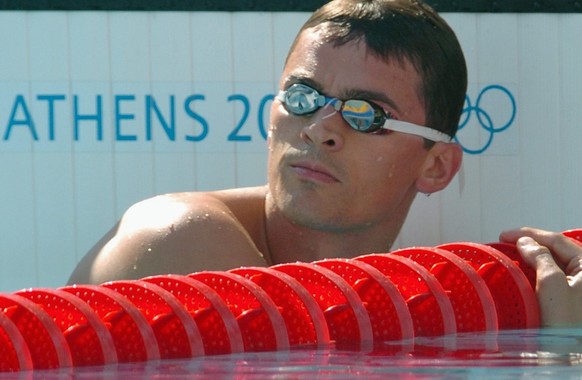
(557, 260)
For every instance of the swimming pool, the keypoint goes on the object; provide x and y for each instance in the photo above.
(545, 354)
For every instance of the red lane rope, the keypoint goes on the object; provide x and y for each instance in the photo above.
(399, 295)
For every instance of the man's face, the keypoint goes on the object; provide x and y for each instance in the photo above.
(325, 175)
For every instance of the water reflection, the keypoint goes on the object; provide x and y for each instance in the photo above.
(546, 353)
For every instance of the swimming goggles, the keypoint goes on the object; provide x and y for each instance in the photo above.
(361, 115)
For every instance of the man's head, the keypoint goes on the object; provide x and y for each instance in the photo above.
(404, 30)
(352, 64)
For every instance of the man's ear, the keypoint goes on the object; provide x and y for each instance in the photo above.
(439, 168)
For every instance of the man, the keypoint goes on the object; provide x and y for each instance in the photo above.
(370, 97)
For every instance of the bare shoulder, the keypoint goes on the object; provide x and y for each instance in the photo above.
(180, 233)
(243, 206)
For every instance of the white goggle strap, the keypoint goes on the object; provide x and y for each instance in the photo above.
(414, 129)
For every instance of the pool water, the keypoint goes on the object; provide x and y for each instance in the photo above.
(545, 354)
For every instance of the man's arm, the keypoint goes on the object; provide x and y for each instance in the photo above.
(177, 233)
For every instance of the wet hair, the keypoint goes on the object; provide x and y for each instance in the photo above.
(405, 30)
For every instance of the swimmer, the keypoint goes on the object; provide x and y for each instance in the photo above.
(369, 101)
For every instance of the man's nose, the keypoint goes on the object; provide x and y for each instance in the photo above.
(326, 128)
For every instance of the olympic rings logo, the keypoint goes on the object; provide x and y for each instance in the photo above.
(497, 97)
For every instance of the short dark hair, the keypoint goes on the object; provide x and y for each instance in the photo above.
(405, 30)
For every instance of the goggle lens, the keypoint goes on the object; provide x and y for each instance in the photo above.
(359, 114)
(301, 100)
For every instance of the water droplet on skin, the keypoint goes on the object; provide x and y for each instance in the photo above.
(391, 171)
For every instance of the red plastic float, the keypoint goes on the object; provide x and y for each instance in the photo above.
(389, 314)
(262, 326)
(14, 352)
(304, 319)
(132, 335)
(472, 301)
(510, 250)
(431, 309)
(176, 333)
(515, 300)
(344, 312)
(89, 341)
(575, 234)
(47, 344)
(216, 323)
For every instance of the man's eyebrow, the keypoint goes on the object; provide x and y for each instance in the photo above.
(294, 78)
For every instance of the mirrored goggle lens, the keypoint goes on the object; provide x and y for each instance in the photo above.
(301, 100)
(361, 115)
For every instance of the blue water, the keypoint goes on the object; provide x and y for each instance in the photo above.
(543, 354)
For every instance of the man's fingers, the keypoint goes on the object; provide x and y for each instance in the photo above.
(564, 249)
(537, 256)
(557, 260)
(552, 285)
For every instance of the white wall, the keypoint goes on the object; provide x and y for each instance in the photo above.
(66, 179)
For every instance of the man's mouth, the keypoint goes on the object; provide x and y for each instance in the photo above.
(314, 172)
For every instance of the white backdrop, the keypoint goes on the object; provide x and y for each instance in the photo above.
(101, 109)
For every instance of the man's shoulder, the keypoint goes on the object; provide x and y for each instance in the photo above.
(188, 207)
(179, 233)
